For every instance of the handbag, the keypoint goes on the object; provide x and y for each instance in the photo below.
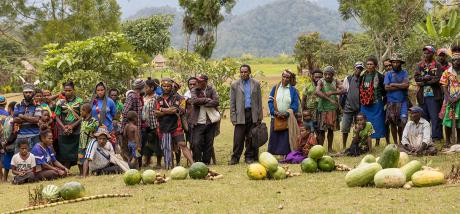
(259, 135)
(279, 124)
(213, 114)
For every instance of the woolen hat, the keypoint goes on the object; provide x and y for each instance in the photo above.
(139, 84)
(202, 77)
(329, 69)
(28, 87)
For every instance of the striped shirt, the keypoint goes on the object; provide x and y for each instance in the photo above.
(98, 157)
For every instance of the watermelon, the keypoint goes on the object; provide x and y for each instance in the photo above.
(256, 171)
(268, 161)
(279, 174)
(316, 152)
(427, 178)
(198, 170)
(410, 168)
(362, 175)
(368, 159)
(326, 163)
(132, 177)
(389, 178)
(50, 192)
(149, 176)
(403, 159)
(390, 157)
(179, 173)
(309, 165)
(72, 190)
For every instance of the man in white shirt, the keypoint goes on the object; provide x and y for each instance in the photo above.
(99, 154)
(416, 138)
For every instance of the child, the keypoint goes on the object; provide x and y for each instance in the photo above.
(9, 135)
(131, 140)
(362, 142)
(307, 120)
(88, 127)
(305, 141)
(23, 164)
(45, 121)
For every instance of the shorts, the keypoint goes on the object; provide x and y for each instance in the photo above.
(150, 143)
(81, 156)
(328, 121)
(132, 150)
(347, 120)
(7, 160)
(178, 138)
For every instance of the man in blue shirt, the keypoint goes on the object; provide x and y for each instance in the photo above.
(245, 114)
(26, 115)
(396, 84)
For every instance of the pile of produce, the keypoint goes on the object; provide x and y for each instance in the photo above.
(392, 170)
(133, 177)
(268, 167)
(197, 170)
(317, 160)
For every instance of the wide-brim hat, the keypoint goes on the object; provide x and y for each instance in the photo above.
(397, 57)
(102, 131)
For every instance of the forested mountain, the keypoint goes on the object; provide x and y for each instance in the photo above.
(266, 30)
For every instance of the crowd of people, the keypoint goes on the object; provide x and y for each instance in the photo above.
(44, 135)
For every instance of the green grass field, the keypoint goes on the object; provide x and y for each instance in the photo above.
(235, 193)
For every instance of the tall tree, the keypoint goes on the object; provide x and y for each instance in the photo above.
(150, 35)
(387, 22)
(202, 17)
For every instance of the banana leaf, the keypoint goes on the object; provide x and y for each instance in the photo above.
(453, 20)
(430, 27)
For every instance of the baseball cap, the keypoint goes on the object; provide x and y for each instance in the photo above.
(359, 65)
(416, 109)
(429, 48)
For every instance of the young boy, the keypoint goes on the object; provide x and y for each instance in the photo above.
(23, 164)
(88, 128)
(45, 120)
(307, 120)
(362, 142)
(131, 140)
(9, 136)
(305, 141)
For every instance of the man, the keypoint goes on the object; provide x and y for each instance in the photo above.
(245, 113)
(416, 138)
(387, 67)
(451, 87)
(310, 99)
(396, 84)
(443, 58)
(351, 107)
(328, 90)
(26, 116)
(204, 118)
(100, 156)
(134, 103)
(429, 95)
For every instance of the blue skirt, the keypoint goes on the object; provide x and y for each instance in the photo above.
(279, 141)
(376, 115)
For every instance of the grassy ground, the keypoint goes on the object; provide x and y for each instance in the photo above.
(235, 193)
(320, 192)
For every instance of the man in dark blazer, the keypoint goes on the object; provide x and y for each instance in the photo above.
(245, 113)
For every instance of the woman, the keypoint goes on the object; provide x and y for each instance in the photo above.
(371, 93)
(283, 97)
(68, 119)
(168, 110)
(104, 109)
(48, 167)
(150, 144)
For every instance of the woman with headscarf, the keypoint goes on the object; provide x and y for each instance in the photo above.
(169, 108)
(68, 120)
(283, 104)
(104, 110)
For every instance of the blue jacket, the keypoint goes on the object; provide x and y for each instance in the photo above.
(294, 100)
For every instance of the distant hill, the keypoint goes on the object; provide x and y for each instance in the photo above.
(267, 30)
